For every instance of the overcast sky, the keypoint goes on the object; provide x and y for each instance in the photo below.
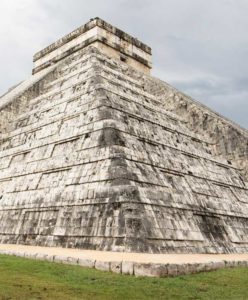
(199, 46)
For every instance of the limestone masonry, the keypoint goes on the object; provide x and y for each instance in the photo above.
(97, 154)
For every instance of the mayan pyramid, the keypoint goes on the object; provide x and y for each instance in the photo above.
(97, 154)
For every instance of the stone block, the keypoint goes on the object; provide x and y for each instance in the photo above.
(102, 265)
(183, 269)
(28, 255)
(127, 268)
(193, 268)
(218, 265)
(72, 260)
(172, 270)
(49, 257)
(22, 254)
(86, 262)
(60, 259)
(230, 263)
(243, 263)
(209, 266)
(150, 270)
(200, 267)
(40, 256)
(116, 266)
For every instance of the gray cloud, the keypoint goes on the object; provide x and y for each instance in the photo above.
(199, 46)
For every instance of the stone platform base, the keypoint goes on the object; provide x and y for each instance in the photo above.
(138, 264)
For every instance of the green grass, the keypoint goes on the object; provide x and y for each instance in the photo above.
(29, 279)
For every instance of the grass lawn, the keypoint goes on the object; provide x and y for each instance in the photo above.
(29, 279)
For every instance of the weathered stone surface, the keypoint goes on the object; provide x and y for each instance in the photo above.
(40, 256)
(201, 267)
(230, 264)
(72, 260)
(96, 155)
(116, 267)
(172, 270)
(86, 262)
(65, 259)
(49, 257)
(127, 268)
(150, 270)
(242, 263)
(102, 265)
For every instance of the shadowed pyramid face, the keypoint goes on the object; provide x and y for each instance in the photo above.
(91, 157)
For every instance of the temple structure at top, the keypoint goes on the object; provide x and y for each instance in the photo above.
(105, 37)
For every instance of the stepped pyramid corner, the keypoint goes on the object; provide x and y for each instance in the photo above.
(95, 153)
